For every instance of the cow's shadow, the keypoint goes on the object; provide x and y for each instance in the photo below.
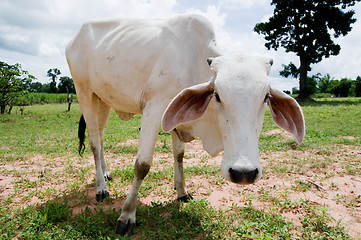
(78, 214)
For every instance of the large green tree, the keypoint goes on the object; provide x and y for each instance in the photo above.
(53, 74)
(66, 85)
(14, 82)
(307, 28)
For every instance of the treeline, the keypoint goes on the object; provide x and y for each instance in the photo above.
(17, 87)
(327, 86)
(65, 84)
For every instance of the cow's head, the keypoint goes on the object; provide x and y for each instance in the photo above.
(238, 93)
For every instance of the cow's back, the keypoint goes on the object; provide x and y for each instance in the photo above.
(128, 62)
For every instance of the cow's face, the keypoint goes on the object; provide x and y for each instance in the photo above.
(241, 91)
(241, 87)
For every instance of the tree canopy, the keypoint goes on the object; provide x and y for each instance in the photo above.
(307, 28)
(53, 74)
(14, 82)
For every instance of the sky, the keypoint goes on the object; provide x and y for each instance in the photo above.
(35, 33)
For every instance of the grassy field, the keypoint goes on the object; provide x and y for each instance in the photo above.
(308, 191)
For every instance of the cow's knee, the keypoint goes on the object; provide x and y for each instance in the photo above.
(141, 169)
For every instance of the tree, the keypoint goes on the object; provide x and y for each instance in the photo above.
(358, 87)
(14, 83)
(341, 88)
(324, 84)
(312, 84)
(36, 87)
(295, 90)
(66, 85)
(53, 73)
(290, 70)
(305, 27)
(345, 86)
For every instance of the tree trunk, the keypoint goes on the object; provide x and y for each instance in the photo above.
(303, 78)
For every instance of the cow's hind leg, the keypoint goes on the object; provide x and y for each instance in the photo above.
(96, 115)
(104, 113)
(150, 125)
(179, 183)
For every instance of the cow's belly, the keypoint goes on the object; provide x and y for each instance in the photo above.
(120, 97)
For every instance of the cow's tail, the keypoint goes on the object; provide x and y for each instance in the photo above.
(81, 134)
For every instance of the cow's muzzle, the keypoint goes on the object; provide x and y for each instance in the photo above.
(243, 175)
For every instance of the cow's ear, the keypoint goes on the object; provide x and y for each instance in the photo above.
(287, 113)
(188, 105)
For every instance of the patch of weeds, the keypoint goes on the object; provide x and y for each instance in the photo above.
(204, 158)
(125, 149)
(317, 163)
(201, 169)
(281, 169)
(256, 224)
(263, 194)
(188, 156)
(316, 225)
(352, 169)
(155, 179)
(301, 186)
(217, 180)
(96, 224)
(156, 175)
(125, 173)
(55, 220)
(289, 205)
(164, 147)
(249, 198)
(173, 220)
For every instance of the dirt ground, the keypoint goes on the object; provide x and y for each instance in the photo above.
(330, 185)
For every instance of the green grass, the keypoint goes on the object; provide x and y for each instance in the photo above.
(327, 122)
(193, 220)
(44, 98)
(49, 131)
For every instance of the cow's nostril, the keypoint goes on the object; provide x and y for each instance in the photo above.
(243, 176)
(252, 175)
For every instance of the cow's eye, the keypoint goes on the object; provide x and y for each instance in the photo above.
(266, 97)
(217, 97)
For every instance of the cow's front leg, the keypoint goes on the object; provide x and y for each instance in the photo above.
(126, 221)
(148, 135)
(179, 183)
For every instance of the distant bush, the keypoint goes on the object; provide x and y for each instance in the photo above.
(322, 95)
(44, 98)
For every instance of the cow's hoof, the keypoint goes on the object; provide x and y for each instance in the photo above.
(101, 196)
(185, 198)
(108, 178)
(123, 228)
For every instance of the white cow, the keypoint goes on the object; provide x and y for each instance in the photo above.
(158, 68)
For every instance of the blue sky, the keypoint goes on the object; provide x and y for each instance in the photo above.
(34, 33)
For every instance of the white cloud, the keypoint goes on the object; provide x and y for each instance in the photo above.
(243, 4)
(347, 63)
(35, 33)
